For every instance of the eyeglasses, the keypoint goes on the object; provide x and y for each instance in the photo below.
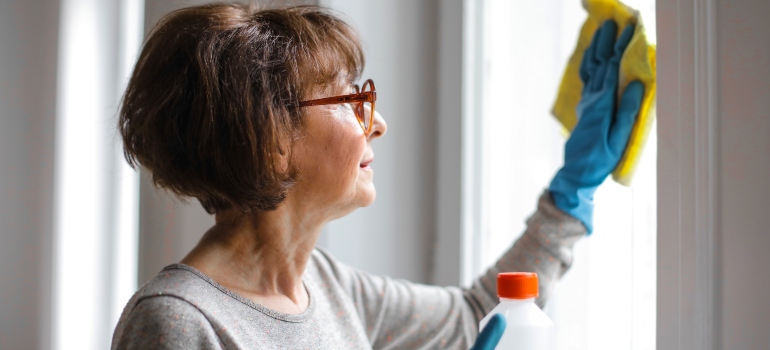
(363, 99)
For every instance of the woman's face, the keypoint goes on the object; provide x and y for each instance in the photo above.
(333, 158)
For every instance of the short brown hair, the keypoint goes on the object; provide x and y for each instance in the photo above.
(214, 98)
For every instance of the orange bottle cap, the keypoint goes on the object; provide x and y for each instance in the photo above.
(517, 285)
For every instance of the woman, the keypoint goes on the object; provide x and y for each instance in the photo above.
(255, 114)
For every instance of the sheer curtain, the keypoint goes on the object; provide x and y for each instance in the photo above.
(607, 300)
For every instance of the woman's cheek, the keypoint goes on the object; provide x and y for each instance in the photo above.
(348, 141)
(343, 157)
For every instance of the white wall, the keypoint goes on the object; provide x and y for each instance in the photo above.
(28, 52)
(394, 236)
(744, 150)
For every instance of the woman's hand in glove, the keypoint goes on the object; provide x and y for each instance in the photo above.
(491, 334)
(604, 125)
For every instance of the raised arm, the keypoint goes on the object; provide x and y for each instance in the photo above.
(398, 314)
(402, 315)
(545, 247)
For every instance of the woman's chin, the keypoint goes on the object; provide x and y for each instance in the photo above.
(364, 197)
(366, 192)
(369, 199)
(367, 195)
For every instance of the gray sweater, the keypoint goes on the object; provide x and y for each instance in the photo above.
(181, 308)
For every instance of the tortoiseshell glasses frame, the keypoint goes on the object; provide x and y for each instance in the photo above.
(364, 95)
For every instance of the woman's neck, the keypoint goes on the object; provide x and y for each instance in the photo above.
(261, 256)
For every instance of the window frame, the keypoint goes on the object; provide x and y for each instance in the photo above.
(688, 314)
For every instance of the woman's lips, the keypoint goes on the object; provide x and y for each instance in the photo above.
(365, 164)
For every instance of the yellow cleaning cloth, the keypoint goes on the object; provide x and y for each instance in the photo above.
(637, 63)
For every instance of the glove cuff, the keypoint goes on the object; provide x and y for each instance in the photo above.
(577, 202)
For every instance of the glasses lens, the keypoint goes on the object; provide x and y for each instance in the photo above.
(368, 115)
(368, 110)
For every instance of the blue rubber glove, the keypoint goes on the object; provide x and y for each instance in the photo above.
(601, 134)
(491, 334)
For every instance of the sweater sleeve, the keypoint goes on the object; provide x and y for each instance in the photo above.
(545, 247)
(165, 322)
(398, 314)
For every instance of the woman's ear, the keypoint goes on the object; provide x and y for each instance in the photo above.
(284, 159)
(281, 159)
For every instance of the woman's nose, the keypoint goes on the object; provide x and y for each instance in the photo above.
(379, 128)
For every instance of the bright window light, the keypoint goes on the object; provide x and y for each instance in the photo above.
(126, 245)
(96, 205)
(80, 215)
(607, 299)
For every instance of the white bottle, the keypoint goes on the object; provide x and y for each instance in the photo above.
(527, 327)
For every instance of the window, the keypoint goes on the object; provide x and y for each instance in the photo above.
(96, 209)
(607, 299)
